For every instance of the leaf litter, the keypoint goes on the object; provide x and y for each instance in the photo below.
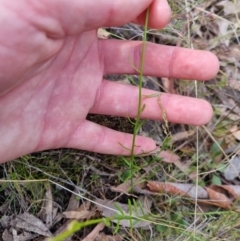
(141, 209)
(30, 223)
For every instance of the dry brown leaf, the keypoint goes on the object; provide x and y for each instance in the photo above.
(178, 189)
(218, 199)
(103, 34)
(79, 215)
(123, 187)
(182, 135)
(95, 232)
(233, 191)
(172, 158)
(107, 208)
(85, 206)
(168, 84)
(30, 223)
(73, 203)
(205, 195)
(126, 186)
(168, 157)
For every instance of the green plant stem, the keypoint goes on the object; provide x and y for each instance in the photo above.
(139, 95)
(73, 227)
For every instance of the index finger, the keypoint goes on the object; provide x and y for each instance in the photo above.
(124, 57)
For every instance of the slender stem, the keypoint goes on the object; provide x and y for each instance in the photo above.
(136, 125)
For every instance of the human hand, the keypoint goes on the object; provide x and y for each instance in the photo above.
(51, 75)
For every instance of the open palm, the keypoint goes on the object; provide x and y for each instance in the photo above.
(51, 76)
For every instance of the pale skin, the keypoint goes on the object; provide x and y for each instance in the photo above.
(51, 75)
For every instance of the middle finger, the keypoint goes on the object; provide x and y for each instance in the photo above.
(122, 100)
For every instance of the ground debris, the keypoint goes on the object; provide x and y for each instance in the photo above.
(95, 232)
(73, 203)
(104, 237)
(12, 235)
(5, 221)
(233, 169)
(207, 195)
(7, 236)
(47, 213)
(63, 228)
(111, 209)
(78, 215)
(25, 236)
(73, 211)
(103, 34)
(30, 223)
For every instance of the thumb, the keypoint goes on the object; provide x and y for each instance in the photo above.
(159, 15)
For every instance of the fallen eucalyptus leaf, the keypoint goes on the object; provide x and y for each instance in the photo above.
(30, 223)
